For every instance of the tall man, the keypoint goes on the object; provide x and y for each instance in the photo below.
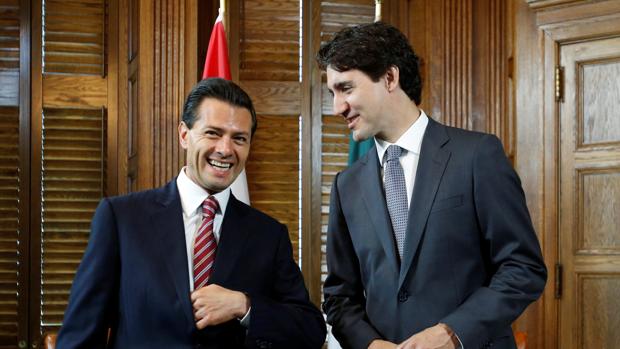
(187, 265)
(429, 244)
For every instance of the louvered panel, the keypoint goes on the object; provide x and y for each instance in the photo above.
(9, 35)
(273, 171)
(334, 156)
(269, 70)
(9, 52)
(335, 15)
(269, 47)
(72, 185)
(340, 14)
(9, 225)
(73, 36)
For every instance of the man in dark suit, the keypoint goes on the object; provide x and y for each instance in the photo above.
(187, 265)
(429, 244)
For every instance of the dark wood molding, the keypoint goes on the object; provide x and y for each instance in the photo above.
(24, 288)
(146, 91)
(36, 108)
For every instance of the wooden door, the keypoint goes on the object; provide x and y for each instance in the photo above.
(589, 195)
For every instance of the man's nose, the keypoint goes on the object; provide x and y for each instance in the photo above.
(341, 107)
(224, 146)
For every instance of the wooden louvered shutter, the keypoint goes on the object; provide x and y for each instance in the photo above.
(269, 72)
(72, 185)
(9, 226)
(73, 122)
(335, 15)
(74, 34)
(13, 183)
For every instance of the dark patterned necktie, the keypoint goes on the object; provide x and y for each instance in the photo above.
(205, 244)
(396, 195)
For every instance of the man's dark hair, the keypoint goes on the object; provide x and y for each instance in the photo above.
(374, 48)
(222, 90)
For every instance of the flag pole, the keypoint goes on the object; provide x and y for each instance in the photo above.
(377, 10)
(222, 10)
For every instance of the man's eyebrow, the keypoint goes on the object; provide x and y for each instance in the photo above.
(341, 84)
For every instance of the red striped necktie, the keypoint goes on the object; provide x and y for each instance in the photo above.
(205, 244)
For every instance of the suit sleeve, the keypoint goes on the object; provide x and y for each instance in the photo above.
(286, 319)
(93, 300)
(345, 303)
(510, 246)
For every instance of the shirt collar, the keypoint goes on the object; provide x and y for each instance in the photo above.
(192, 195)
(411, 140)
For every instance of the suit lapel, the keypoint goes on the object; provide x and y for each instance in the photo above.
(169, 234)
(371, 187)
(233, 236)
(431, 166)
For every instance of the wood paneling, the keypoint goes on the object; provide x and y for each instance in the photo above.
(466, 53)
(599, 210)
(74, 91)
(456, 93)
(600, 102)
(168, 89)
(599, 304)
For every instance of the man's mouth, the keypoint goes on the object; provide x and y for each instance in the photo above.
(223, 166)
(351, 121)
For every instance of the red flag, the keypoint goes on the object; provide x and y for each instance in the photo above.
(218, 66)
(216, 63)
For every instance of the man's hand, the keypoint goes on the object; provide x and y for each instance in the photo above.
(214, 305)
(439, 336)
(381, 344)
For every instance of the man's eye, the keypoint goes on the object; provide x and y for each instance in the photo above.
(241, 140)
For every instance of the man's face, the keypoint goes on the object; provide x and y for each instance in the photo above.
(217, 145)
(360, 101)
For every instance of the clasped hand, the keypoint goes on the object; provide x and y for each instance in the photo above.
(214, 305)
(439, 336)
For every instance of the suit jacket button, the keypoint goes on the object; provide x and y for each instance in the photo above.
(403, 296)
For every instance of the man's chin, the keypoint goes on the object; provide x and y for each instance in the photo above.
(218, 183)
(359, 137)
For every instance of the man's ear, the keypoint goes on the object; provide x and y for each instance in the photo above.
(392, 76)
(183, 134)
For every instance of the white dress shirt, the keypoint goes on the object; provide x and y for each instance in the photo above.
(411, 142)
(192, 196)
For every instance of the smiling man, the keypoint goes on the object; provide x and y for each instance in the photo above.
(188, 265)
(429, 242)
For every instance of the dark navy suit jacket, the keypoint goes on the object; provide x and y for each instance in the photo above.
(133, 279)
(471, 258)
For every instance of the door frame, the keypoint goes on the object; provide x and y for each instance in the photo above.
(554, 35)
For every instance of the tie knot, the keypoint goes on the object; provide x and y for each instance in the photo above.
(393, 152)
(210, 206)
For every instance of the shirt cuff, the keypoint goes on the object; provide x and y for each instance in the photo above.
(245, 320)
(457, 337)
